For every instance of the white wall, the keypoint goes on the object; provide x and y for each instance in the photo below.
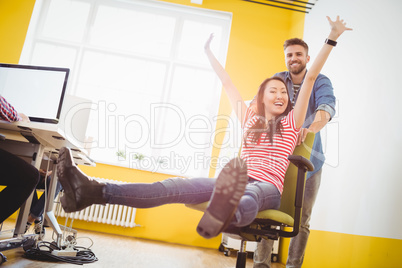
(361, 190)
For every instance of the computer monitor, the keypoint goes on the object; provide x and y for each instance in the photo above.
(35, 91)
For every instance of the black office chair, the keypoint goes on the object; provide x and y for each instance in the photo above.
(284, 222)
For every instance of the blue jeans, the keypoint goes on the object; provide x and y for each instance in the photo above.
(258, 195)
(38, 204)
(297, 247)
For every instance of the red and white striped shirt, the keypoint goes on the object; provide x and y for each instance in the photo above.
(7, 111)
(268, 161)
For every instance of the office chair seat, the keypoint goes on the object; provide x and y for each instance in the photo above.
(273, 215)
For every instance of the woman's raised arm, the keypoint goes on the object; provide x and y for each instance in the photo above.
(337, 28)
(235, 98)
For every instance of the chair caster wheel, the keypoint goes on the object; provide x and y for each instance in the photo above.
(221, 248)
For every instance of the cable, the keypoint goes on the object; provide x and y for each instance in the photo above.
(84, 255)
(41, 223)
(92, 242)
(44, 250)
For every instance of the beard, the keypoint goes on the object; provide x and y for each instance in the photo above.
(297, 70)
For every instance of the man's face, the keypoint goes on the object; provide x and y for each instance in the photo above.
(296, 59)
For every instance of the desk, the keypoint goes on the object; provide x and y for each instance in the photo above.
(36, 141)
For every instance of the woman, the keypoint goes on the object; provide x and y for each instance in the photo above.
(238, 193)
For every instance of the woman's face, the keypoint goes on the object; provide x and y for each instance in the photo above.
(275, 98)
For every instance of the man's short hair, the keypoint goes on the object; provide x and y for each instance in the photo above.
(295, 41)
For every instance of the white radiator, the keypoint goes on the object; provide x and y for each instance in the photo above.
(110, 214)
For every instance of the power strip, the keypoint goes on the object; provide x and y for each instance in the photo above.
(65, 253)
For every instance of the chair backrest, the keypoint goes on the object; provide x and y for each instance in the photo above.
(289, 186)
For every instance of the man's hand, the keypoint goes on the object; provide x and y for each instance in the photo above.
(302, 135)
(24, 117)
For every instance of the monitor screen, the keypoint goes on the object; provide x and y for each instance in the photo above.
(35, 91)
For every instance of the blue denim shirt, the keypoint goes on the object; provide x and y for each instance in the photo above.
(322, 98)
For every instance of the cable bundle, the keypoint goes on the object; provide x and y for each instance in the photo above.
(83, 256)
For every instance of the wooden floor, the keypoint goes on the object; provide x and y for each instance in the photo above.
(120, 251)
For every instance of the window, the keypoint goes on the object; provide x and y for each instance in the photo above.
(141, 63)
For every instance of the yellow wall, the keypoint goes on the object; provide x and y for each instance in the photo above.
(14, 21)
(334, 250)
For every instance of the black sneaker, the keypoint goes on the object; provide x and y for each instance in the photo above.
(229, 188)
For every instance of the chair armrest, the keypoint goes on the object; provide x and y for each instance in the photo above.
(301, 162)
(303, 165)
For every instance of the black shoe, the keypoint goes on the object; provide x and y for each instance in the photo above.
(229, 188)
(80, 191)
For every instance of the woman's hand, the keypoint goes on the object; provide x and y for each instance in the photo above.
(337, 27)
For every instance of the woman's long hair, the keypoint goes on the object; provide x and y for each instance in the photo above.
(274, 124)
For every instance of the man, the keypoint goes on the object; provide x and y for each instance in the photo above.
(19, 177)
(321, 109)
